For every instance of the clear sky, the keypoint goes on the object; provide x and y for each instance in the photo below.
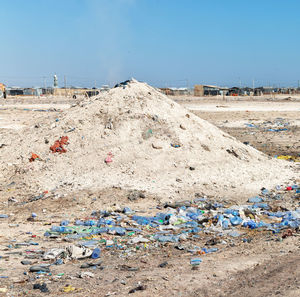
(162, 42)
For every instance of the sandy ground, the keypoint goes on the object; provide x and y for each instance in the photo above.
(234, 116)
(265, 265)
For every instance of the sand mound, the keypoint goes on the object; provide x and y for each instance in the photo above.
(156, 145)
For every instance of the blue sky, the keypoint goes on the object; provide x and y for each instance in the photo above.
(162, 42)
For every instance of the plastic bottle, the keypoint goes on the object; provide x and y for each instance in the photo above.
(96, 253)
(250, 224)
(235, 220)
(208, 251)
(225, 224)
(141, 220)
(89, 223)
(232, 211)
(60, 229)
(64, 223)
(119, 230)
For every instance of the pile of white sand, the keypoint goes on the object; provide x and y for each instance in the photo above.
(141, 128)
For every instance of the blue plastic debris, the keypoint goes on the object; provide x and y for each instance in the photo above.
(261, 205)
(250, 224)
(96, 253)
(255, 199)
(232, 211)
(64, 223)
(127, 210)
(236, 220)
(59, 262)
(195, 261)
(250, 125)
(208, 251)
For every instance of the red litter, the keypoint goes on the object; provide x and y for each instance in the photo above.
(33, 157)
(58, 146)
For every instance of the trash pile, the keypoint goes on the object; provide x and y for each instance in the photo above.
(181, 223)
(195, 228)
(135, 138)
(278, 125)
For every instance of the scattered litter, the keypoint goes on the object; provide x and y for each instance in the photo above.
(69, 289)
(175, 145)
(108, 159)
(38, 268)
(58, 146)
(138, 288)
(42, 287)
(54, 253)
(86, 274)
(76, 252)
(34, 157)
(195, 261)
(288, 158)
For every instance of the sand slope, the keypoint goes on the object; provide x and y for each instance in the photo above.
(138, 125)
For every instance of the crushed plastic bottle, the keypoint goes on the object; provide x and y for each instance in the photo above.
(96, 253)
(236, 220)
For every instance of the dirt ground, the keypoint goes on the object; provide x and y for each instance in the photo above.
(259, 263)
(233, 116)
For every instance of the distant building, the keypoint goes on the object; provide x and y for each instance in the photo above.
(75, 92)
(206, 90)
(175, 91)
(17, 91)
(32, 91)
(235, 91)
(264, 91)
